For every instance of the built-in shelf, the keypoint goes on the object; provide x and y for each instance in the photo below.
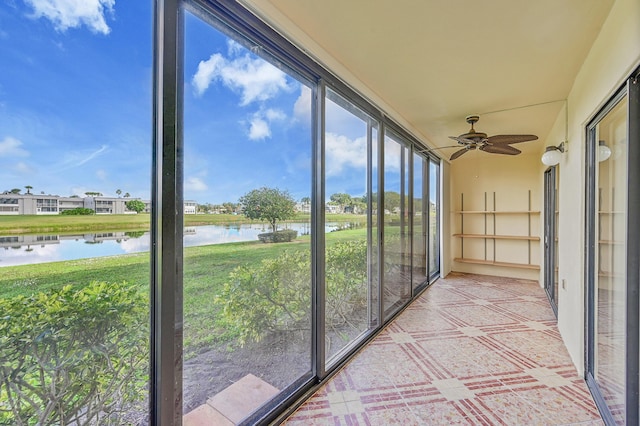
(494, 263)
(618, 276)
(498, 237)
(611, 243)
(491, 215)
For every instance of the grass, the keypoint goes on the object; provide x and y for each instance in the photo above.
(45, 224)
(206, 268)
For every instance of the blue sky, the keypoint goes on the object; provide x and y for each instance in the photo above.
(75, 91)
(75, 108)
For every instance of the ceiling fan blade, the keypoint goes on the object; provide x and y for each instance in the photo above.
(500, 149)
(508, 139)
(462, 141)
(458, 153)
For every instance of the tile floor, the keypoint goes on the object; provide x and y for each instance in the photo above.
(472, 350)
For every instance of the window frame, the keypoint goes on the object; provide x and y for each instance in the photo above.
(631, 90)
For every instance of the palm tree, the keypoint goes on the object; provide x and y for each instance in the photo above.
(127, 195)
(28, 188)
(118, 191)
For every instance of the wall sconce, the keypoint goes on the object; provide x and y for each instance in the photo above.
(553, 154)
(604, 152)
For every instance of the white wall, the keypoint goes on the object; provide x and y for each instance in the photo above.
(613, 56)
(513, 180)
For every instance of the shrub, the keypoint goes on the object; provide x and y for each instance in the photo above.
(79, 211)
(72, 356)
(276, 294)
(284, 236)
(135, 206)
(346, 278)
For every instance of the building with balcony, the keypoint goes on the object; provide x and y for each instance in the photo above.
(28, 204)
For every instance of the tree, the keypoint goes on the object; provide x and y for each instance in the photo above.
(391, 200)
(268, 204)
(229, 208)
(135, 205)
(28, 188)
(15, 190)
(341, 199)
(127, 195)
(93, 194)
(118, 192)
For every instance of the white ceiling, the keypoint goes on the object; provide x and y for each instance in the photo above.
(433, 62)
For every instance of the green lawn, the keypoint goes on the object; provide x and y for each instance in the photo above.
(206, 268)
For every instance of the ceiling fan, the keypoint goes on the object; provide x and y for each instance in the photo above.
(497, 144)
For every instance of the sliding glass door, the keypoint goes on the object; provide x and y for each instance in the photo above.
(397, 270)
(613, 203)
(247, 275)
(348, 153)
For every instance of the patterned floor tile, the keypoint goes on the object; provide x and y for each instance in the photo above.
(472, 350)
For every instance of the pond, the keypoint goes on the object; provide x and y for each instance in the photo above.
(29, 249)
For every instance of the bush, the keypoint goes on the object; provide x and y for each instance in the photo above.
(79, 211)
(284, 236)
(135, 206)
(346, 277)
(276, 295)
(72, 356)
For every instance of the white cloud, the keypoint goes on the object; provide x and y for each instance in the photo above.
(23, 168)
(11, 147)
(259, 129)
(195, 184)
(65, 14)
(274, 114)
(75, 159)
(79, 190)
(260, 123)
(207, 72)
(392, 156)
(254, 78)
(342, 152)
(302, 107)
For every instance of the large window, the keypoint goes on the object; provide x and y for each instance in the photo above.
(434, 218)
(247, 286)
(397, 261)
(420, 224)
(348, 154)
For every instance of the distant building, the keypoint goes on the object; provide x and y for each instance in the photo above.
(28, 204)
(190, 207)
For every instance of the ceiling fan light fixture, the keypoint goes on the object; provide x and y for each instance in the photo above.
(604, 152)
(553, 154)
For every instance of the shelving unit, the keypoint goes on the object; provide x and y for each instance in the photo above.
(492, 215)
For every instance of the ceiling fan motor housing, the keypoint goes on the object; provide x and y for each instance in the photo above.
(497, 144)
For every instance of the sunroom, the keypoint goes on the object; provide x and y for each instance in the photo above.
(419, 144)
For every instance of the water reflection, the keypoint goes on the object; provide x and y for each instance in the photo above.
(30, 249)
